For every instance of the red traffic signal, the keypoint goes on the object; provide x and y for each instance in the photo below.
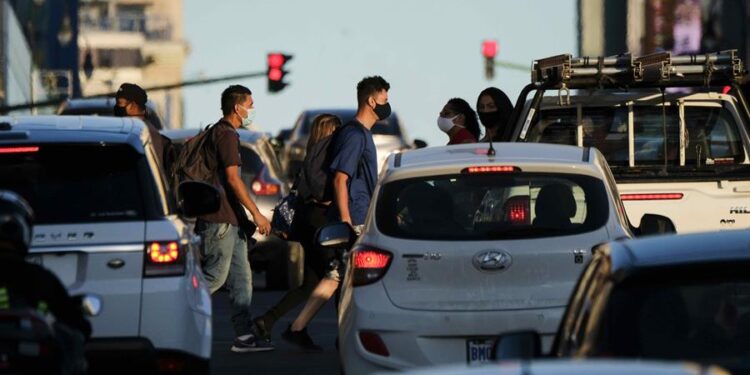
(276, 72)
(489, 48)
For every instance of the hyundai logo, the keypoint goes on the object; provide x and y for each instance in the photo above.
(492, 260)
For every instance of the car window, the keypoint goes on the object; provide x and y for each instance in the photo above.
(712, 138)
(388, 126)
(696, 312)
(492, 206)
(252, 165)
(570, 320)
(77, 183)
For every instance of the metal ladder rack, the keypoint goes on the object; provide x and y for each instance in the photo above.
(659, 69)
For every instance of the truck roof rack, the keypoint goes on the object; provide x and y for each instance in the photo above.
(659, 69)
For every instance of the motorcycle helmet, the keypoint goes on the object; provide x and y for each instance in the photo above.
(16, 223)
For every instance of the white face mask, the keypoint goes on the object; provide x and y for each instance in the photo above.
(247, 121)
(446, 124)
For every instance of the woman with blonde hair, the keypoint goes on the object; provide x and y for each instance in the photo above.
(310, 215)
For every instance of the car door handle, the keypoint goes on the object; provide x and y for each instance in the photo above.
(115, 263)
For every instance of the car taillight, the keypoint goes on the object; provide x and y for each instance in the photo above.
(651, 197)
(19, 150)
(490, 169)
(369, 265)
(373, 343)
(261, 185)
(164, 259)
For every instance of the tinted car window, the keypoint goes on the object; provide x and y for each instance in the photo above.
(76, 183)
(387, 127)
(492, 206)
(697, 313)
(251, 165)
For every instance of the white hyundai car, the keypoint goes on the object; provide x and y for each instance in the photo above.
(460, 245)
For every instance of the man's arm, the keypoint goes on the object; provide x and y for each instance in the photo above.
(341, 195)
(240, 191)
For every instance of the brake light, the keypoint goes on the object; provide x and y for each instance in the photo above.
(261, 186)
(19, 150)
(164, 259)
(651, 197)
(517, 210)
(491, 169)
(369, 265)
(373, 343)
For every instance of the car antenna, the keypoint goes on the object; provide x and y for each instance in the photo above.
(491, 150)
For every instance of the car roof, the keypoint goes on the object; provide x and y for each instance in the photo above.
(672, 250)
(102, 102)
(599, 98)
(570, 367)
(476, 153)
(249, 136)
(61, 129)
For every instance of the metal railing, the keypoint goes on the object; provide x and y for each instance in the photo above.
(153, 26)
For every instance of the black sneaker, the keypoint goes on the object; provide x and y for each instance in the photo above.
(300, 339)
(263, 327)
(251, 344)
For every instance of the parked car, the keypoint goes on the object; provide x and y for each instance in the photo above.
(389, 137)
(104, 107)
(459, 245)
(567, 367)
(684, 297)
(683, 154)
(261, 173)
(106, 225)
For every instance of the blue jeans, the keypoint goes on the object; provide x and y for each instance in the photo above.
(224, 259)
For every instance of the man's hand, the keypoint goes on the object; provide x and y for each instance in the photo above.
(264, 226)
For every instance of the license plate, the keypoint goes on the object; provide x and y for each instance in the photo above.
(64, 266)
(479, 350)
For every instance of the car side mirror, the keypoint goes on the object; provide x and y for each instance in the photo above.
(517, 345)
(90, 304)
(335, 236)
(652, 224)
(198, 198)
(418, 143)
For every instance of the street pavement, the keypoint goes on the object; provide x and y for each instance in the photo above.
(286, 359)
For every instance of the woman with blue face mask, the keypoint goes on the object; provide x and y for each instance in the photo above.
(459, 122)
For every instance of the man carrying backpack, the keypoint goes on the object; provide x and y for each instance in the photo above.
(224, 251)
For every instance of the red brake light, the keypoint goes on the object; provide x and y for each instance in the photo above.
(164, 259)
(261, 186)
(19, 150)
(651, 197)
(369, 265)
(491, 169)
(164, 253)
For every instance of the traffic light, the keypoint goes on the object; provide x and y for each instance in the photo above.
(276, 71)
(489, 51)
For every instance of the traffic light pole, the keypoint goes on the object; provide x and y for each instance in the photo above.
(513, 66)
(197, 82)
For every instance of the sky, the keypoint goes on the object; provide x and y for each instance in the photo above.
(428, 50)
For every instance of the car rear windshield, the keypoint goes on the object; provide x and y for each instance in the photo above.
(492, 206)
(76, 183)
(388, 126)
(700, 313)
(712, 140)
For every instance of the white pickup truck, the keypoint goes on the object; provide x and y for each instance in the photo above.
(674, 130)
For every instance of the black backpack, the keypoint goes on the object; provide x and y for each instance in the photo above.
(318, 184)
(195, 160)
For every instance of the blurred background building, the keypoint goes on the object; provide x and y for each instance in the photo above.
(137, 41)
(610, 27)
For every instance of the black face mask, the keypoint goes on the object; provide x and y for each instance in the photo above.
(120, 111)
(490, 119)
(382, 111)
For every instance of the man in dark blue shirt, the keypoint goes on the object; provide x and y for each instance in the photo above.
(354, 163)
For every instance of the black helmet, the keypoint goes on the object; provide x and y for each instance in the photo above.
(16, 223)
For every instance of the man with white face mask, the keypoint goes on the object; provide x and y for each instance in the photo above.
(225, 233)
(459, 121)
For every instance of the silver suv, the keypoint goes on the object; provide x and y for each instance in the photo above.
(106, 225)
